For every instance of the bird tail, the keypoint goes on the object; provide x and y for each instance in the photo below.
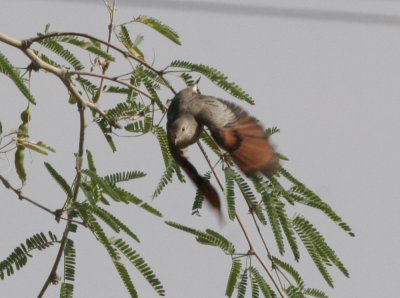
(202, 184)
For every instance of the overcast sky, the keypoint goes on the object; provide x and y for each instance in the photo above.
(327, 74)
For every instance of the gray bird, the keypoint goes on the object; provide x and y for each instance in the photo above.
(232, 129)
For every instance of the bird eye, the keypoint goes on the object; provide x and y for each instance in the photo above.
(183, 129)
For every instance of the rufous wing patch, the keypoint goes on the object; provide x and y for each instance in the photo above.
(253, 152)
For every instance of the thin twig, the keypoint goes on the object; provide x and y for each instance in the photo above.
(53, 272)
(22, 197)
(97, 97)
(53, 276)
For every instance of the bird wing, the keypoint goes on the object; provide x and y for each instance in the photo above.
(239, 134)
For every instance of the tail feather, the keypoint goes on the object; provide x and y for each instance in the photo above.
(202, 184)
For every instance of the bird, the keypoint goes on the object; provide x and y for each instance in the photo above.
(231, 127)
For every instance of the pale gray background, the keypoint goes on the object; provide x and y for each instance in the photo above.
(326, 73)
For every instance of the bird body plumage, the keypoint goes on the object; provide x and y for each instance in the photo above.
(231, 127)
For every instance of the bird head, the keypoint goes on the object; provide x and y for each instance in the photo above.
(184, 131)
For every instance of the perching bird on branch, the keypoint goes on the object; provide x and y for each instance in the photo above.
(232, 129)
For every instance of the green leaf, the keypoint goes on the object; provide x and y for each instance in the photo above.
(90, 161)
(289, 269)
(94, 193)
(209, 237)
(123, 176)
(141, 74)
(255, 288)
(10, 71)
(117, 194)
(129, 110)
(123, 273)
(117, 90)
(162, 138)
(131, 198)
(69, 260)
(58, 49)
(272, 130)
(287, 229)
(216, 77)
(113, 222)
(140, 126)
(152, 89)
(113, 253)
(303, 195)
(294, 292)
(140, 265)
(87, 86)
(233, 277)
(187, 78)
(249, 196)
(230, 193)
(19, 257)
(270, 202)
(106, 186)
(106, 130)
(171, 166)
(315, 293)
(265, 288)
(66, 290)
(130, 46)
(165, 179)
(165, 30)
(242, 285)
(318, 249)
(59, 179)
(89, 46)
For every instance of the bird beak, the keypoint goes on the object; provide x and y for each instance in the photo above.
(173, 138)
